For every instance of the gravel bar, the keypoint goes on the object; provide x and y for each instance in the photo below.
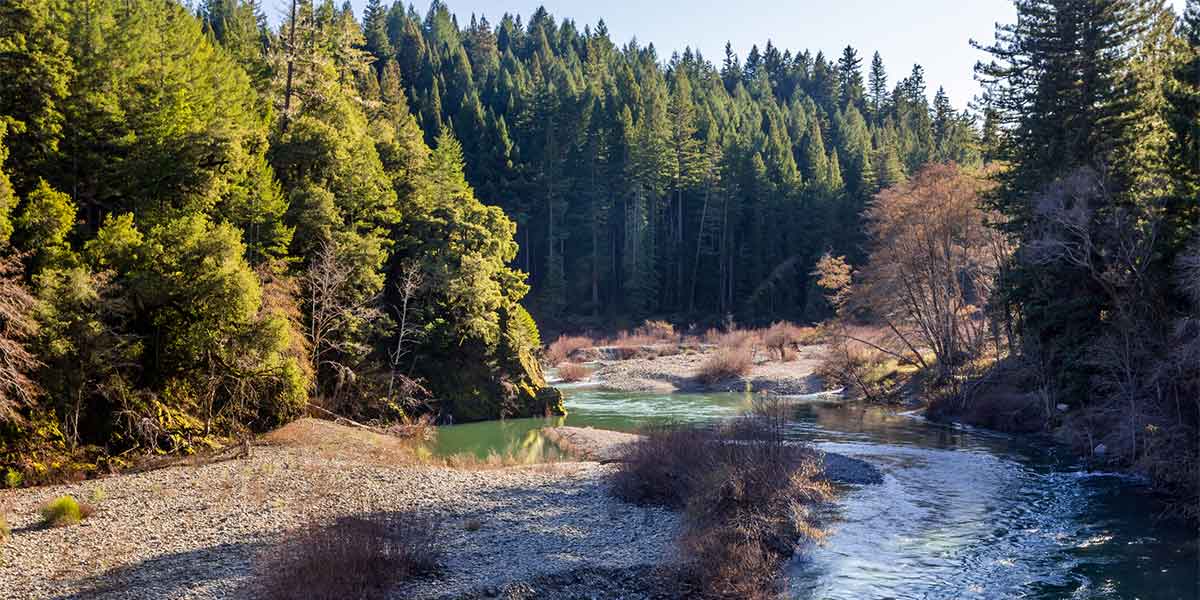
(193, 532)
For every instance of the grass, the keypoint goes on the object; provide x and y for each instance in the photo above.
(64, 511)
(572, 372)
(5, 529)
(361, 557)
(726, 363)
(747, 497)
(561, 349)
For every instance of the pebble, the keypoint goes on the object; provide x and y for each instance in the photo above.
(194, 532)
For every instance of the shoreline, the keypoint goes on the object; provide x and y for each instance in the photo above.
(676, 368)
(193, 532)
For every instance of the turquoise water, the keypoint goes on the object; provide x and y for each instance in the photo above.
(961, 513)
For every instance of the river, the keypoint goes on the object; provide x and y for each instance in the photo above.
(961, 513)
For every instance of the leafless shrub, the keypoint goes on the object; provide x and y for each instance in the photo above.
(785, 338)
(353, 557)
(562, 348)
(748, 496)
(571, 372)
(657, 330)
(726, 363)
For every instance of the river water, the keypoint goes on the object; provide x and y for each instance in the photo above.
(961, 513)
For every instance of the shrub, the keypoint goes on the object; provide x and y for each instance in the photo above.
(733, 338)
(726, 363)
(784, 339)
(657, 330)
(353, 557)
(571, 372)
(748, 496)
(63, 511)
(562, 348)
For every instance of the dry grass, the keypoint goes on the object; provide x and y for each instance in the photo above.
(354, 557)
(726, 363)
(747, 496)
(339, 441)
(471, 462)
(572, 372)
(733, 338)
(561, 349)
(5, 529)
(418, 428)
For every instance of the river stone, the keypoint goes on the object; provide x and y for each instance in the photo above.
(844, 469)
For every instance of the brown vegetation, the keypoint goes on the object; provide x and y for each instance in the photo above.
(17, 327)
(924, 290)
(572, 372)
(785, 339)
(726, 363)
(5, 529)
(561, 349)
(353, 557)
(747, 496)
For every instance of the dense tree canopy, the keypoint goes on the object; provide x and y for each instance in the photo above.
(644, 184)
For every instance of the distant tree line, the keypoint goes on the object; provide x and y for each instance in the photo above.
(650, 185)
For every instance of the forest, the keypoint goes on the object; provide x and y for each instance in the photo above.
(209, 221)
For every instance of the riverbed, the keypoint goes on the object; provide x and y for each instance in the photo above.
(961, 513)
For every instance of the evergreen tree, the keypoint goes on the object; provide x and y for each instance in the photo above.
(36, 68)
(850, 79)
(878, 89)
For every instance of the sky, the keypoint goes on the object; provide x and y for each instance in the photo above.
(933, 33)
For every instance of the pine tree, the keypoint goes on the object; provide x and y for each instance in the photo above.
(375, 31)
(1184, 114)
(850, 79)
(37, 69)
(878, 89)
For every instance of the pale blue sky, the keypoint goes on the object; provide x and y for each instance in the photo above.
(934, 33)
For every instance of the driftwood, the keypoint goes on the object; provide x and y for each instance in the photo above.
(340, 419)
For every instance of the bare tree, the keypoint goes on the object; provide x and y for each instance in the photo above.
(337, 315)
(407, 332)
(17, 327)
(933, 261)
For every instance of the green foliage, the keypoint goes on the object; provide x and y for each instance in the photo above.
(8, 199)
(43, 224)
(642, 184)
(61, 512)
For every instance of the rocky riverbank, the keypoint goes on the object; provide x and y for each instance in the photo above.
(195, 531)
(586, 443)
(680, 372)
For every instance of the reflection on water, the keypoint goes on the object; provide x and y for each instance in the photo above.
(961, 513)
